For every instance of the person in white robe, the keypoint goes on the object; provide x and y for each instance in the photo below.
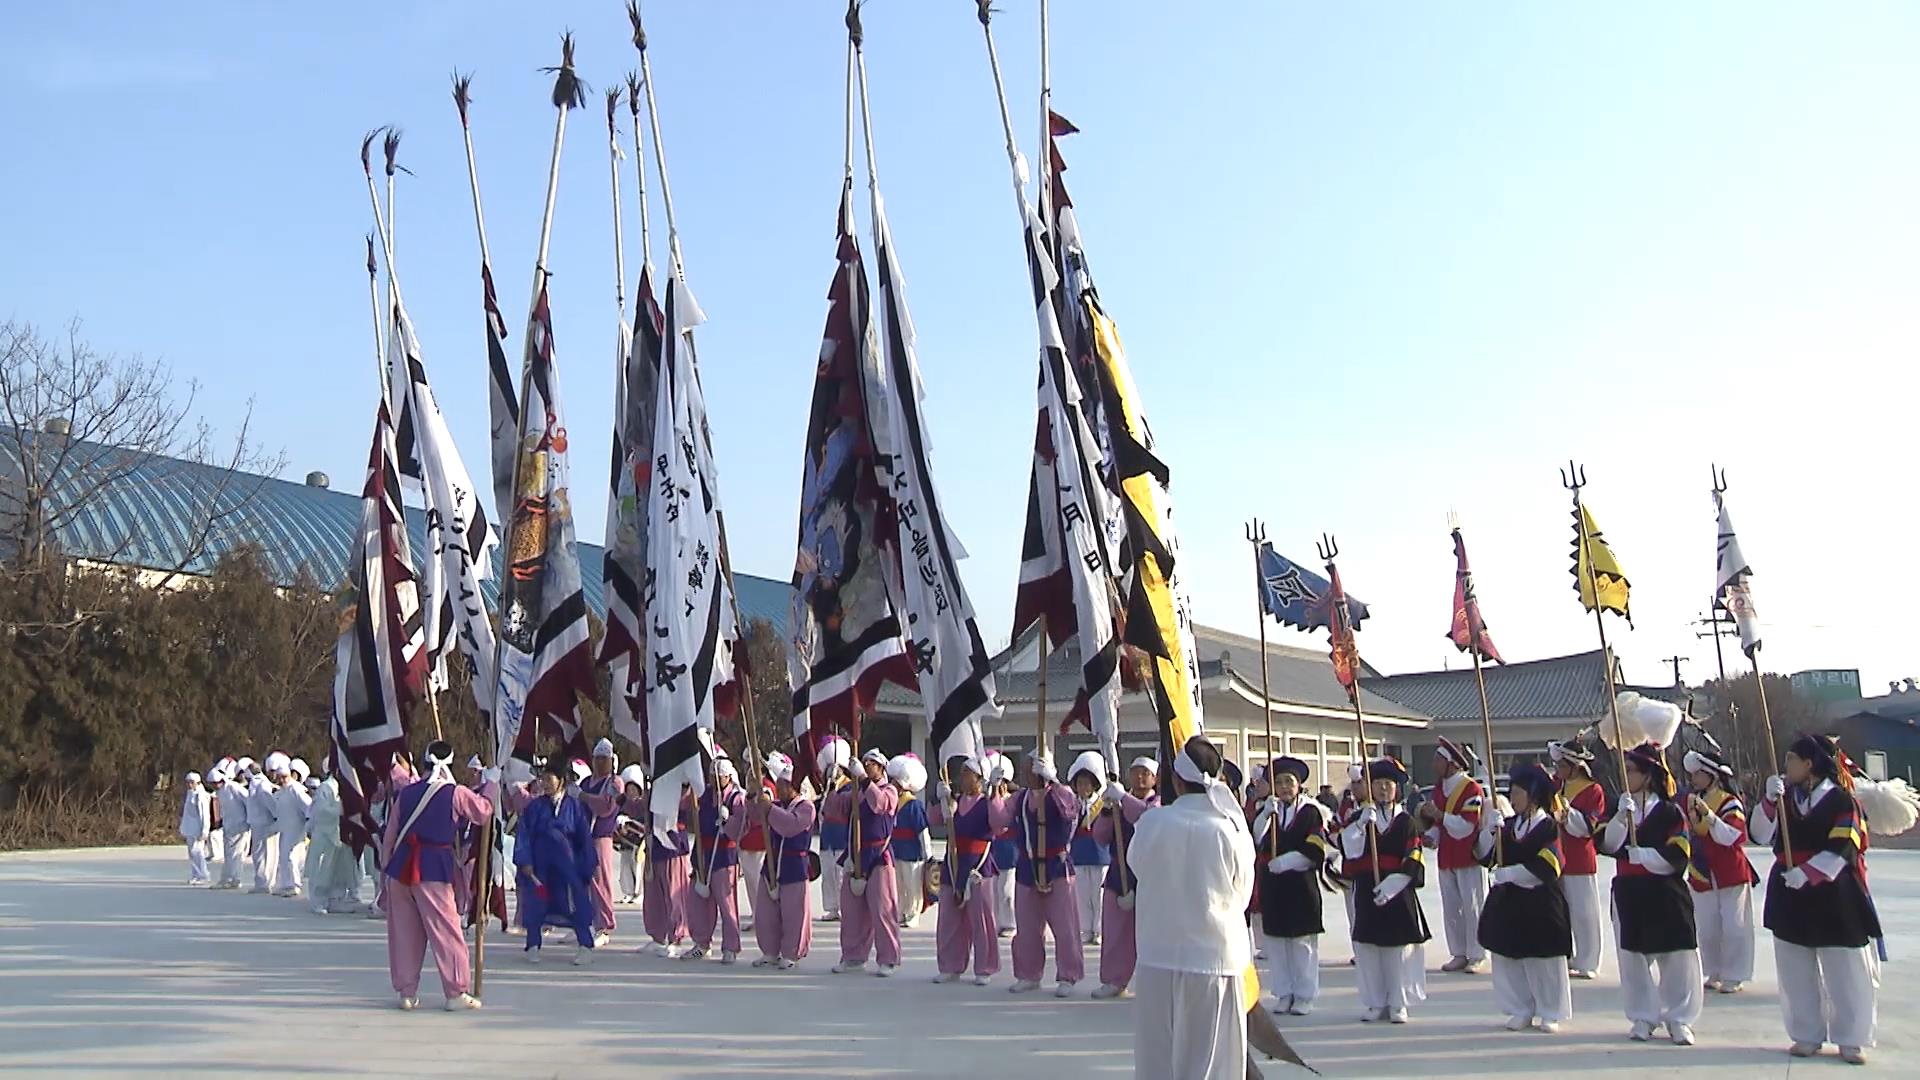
(291, 804)
(333, 875)
(232, 793)
(196, 822)
(262, 824)
(1195, 862)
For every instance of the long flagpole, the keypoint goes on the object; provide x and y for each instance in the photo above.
(379, 341)
(659, 147)
(1475, 646)
(1256, 536)
(1760, 689)
(1343, 631)
(1574, 480)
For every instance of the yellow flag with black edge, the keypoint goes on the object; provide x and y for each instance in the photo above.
(1596, 572)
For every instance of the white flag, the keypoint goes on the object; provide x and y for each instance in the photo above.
(1731, 589)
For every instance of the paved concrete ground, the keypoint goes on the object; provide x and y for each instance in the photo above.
(109, 966)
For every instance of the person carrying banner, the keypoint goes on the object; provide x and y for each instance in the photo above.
(600, 794)
(869, 906)
(835, 759)
(1118, 822)
(419, 865)
(1718, 872)
(1043, 818)
(783, 919)
(1524, 922)
(966, 928)
(663, 905)
(1290, 837)
(1653, 908)
(1452, 821)
(714, 895)
(1386, 867)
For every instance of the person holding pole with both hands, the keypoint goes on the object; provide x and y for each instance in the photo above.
(967, 924)
(1290, 833)
(1383, 853)
(1118, 821)
(869, 904)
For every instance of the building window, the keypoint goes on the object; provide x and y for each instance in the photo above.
(1300, 746)
(1340, 747)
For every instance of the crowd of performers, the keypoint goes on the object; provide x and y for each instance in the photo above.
(1046, 858)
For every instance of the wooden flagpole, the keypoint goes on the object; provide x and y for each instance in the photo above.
(1342, 630)
(1573, 480)
(1759, 688)
(1257, 536)
(1474, 646)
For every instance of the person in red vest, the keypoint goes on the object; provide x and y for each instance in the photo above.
(1452, 820)
(1721, 877)
(1653, 908)
(1584, 810)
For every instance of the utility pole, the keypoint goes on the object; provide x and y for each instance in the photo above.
(1718, 628)
(1676, 661)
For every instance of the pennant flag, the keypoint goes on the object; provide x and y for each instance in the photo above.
(690, 619)
(1600, 583)
(503, 396)
(380, 657)
(545, 666)
(1296, 596)
(635, 397)
(843, 632)
(1469, 629)
(1067, 583)
(1156, 622)
(956, 682)
(1346, 651)
(459, 537)
(1731, 588)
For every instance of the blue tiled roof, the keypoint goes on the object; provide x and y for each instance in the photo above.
(1561, 687)
(147, 515)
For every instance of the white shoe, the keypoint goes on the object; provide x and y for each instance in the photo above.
(1093, 939)
(1732, 987)
(885, 971)
(1519, 1023)
(1281, 1005)
(1583, 976)
(946, 977)
(844, 968)
(1804, 1049)
(1711, 984)
(1641, 1032)
(1853, 1055)
(1549, 1027)
(1021, 986)
(729, 958)
(600, 939)
(408, 1004)
(1681, 1034)
(1063, 990)
(982, 980)
(532, 955)
(1475, 967)
(583, 958)
(1006, 931)
(766, 961)
(1397, 1016)
(1108, 991)
(695, 953)
(1373, 1016)
(462, 1001)
(784, 964)
(1301, 1008)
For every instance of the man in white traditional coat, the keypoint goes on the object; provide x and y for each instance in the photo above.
(292, 804)
(262, 825)
(333, 875)
(196, 824)
(232, 793)
(1194, 858)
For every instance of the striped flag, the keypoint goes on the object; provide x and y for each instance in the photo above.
(1732, 589)
(690, 617)
(844, 635)
(624, 568)
(380, 658)
(545, 663)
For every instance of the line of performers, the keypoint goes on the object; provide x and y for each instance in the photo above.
(1518, 885)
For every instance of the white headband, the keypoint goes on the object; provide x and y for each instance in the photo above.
(1216, 792)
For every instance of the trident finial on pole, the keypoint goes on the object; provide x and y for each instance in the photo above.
(1719, 479)
(1573, 477)
(1329, 549)
(1256, 531)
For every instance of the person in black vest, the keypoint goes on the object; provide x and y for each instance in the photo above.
(1389, 930)
(1290, 838)
(1525, 922)
(1818, 908)
(1653, 909)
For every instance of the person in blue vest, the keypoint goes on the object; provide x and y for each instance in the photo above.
(420, 869)
(909, 836)
(1043, 816)
(714, 896)
(835, 759)
(555, 860)
(1088, 778)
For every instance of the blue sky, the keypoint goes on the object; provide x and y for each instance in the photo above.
(1372, 262)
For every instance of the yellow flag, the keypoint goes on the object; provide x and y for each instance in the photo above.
(1596, 573)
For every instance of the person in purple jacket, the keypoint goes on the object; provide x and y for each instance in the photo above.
(1119, 952)
(715, 894)
(869, 899)
(420, 867)
(783, 916)
(600, 793)
(966, 919)
(554, 854)
(1043, 818)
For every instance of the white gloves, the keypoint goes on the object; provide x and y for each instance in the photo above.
(1507, 875)
(1126, 901)
(1391, 886)
(1795, 878)
(943, 793)
(974, 881)
(490, 775)
(1293, 862)
(1270, 806)
(1776, 788)
(1115, 793)
(1492, 821)
(724, 813)
(1623, 813)
(702, 889)
(1370, 815)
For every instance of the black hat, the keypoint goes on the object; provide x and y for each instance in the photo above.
(1648, 759)
(1534, 780)
(1291, 765)
(1387, 768)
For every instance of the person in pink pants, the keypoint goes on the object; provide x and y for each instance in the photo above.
(715, 893)
(600, 794)
(783, 915)
(419, 868)
(663, 906)
(1118, 949)
(869, 898)
(967, 927)
(1043, 818)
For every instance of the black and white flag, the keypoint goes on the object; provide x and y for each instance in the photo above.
(690, 624)
(624, 567)
(956, 681)
(1732, 590)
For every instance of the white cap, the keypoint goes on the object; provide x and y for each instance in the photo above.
(193, 778)
(834, 754)
(907, 772)
(245, 763)
(298, 767)
(874, 755)
(723, 766)
(474, 762)
(999, 767)
(1093, 764)
(277, 763)
(603, 748)
(779, 766)
(635, 775)
(1147, 763)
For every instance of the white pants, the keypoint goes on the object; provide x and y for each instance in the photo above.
(752, 865)
(1003, 899)
(1188, 1026)
(830, 875)
(1675, 999)
(1532, 989)
(1087, 881)
(266, 856)
(293, 864)
(630, 874)
(1583, 906)
(1724, 918)
(197, 862)
(235, 855)
(1826, 995)
(1462, 894)
(1294, 970)
(906, 886)
(1391, 977)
